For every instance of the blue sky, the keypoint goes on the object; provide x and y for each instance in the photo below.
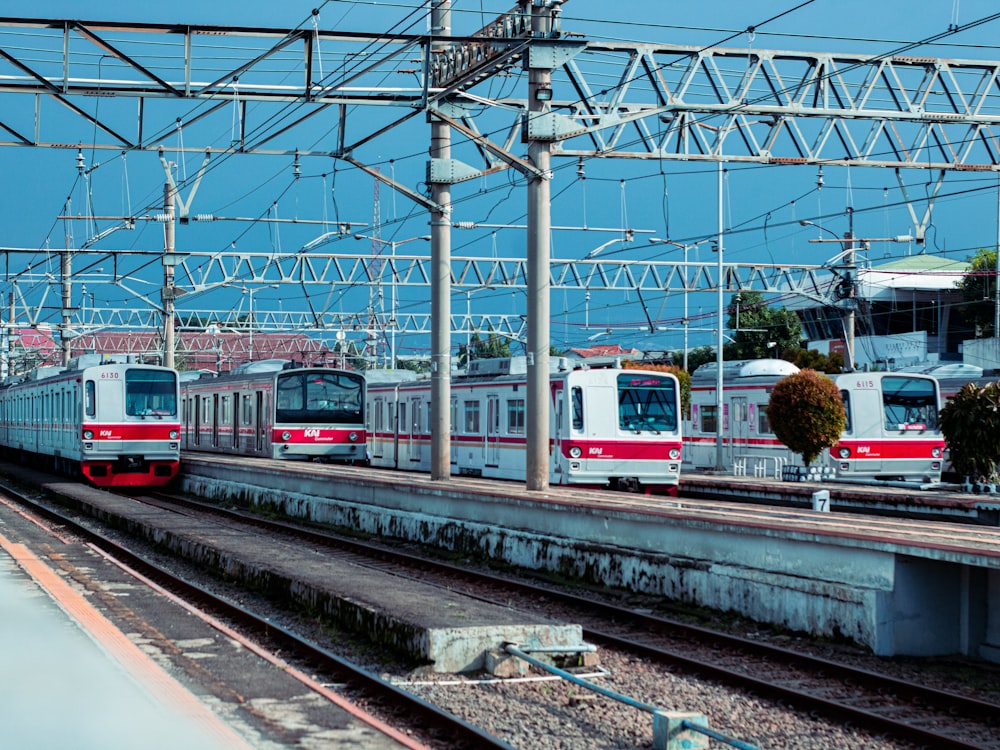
(676, 200)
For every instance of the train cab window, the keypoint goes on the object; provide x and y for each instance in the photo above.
(150, 393)
(909, 403)
(647, 402)
(515, 416)
(90, 399)
(709, 418)
(846, 398)
(576, 400)
(471, 420)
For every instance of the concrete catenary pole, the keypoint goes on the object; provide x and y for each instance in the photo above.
(167, 293)
(440, 282)
(539, 251)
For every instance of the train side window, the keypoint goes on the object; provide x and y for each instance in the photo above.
(90, 399)
(577, 403)
(763, 423)
(515, 416)
(471, 420)
(709, 418)
(845, 396)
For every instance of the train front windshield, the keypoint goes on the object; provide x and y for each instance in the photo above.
(909, 403)
(319, 398)
(647, 402)
(150, 393)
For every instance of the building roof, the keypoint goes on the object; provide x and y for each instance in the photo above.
(605, 350)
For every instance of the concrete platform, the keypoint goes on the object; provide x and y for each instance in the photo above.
(444, 629)
(896, 586)
(71, 681)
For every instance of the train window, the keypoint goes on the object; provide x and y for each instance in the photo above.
(320, 397)
(515, 416)
(150, 393)
(577, 403)
(90, 399)
(909, 403)
(647, 402)
(247, 409)
(709, 418)
(471, 417)
(763, 423)
(846, 398)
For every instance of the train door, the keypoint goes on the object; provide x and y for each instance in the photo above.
(260, 422)
(416, 429)
(378, 416)
(739, 428)
(454, 428)
(493, 430)
(215, 420)
(196, 412)
(235, 416)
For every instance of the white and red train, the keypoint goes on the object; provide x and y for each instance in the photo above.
(276, 409)
(112, 421)
(892, 430)
(609, 427)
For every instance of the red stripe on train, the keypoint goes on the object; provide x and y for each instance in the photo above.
(145, 431)
(861, 449)
(317, 435)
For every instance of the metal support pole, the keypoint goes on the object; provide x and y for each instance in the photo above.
(849, 317)
(539, 251)
(66, 272)
(996, 277)
(167, 293)
(441, 283)
(720, 400)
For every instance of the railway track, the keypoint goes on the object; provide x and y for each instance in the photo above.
(407, 711)
(828, 688)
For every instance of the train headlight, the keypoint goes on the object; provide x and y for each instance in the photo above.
(674, 454)
(935, 453)
(353, 437)
(88, 434)
(286, 435)
(575, 452)
(844, 452)
(174, 434)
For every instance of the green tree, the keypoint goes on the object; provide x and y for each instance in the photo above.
(492, 347)
(979, 292)
(813, 360)
(697, 357)
(807, 413)
(970, 422)
(761, 331)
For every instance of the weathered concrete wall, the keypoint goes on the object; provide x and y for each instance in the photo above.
(821, 584)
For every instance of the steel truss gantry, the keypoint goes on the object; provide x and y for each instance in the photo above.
(635, 101)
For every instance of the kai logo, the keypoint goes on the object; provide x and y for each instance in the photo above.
(592, 451)
(105, 433)
(314, 433)
(864, 449)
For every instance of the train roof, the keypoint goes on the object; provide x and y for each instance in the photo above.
(745, 368)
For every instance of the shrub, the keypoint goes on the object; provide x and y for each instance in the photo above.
(970, 422)
(806, 413)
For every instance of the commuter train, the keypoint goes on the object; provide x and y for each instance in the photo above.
(102, 417)
(608, 427)
(276, 409)
(892, 429)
